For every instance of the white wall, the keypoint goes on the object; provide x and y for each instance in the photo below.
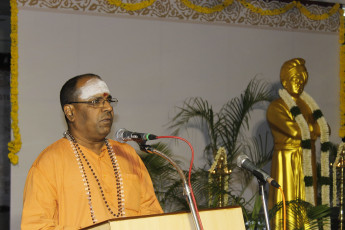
(152, 66)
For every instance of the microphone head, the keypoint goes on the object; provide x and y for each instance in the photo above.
(119, 135)
(241, 159)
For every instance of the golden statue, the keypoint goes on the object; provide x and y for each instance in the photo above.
(287, 160)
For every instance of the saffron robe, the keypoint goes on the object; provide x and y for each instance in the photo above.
(55, 195)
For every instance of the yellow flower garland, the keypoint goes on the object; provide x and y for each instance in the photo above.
(226, 3)
(131, 6)
(258, 10)
(14, 145)
(342, 74)
(324, 16)
(207, 10)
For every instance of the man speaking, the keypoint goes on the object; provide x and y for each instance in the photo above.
(85, 178)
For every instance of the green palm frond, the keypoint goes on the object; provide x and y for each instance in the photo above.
(255, 215)
(305, 216)
(236, 113)
(259, 152)
(197, 110)
(162, 173)
(158, 166)
(194, 107)
(309, 217)
(168, 184)
(222, 129)
(175, 198)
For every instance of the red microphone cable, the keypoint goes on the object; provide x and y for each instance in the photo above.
(189, 174)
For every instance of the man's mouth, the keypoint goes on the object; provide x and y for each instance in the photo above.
(107, 120)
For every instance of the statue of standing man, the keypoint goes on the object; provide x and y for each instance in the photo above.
(289, 141)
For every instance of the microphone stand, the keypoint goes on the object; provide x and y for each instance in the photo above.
(262, 194)
(191, 203)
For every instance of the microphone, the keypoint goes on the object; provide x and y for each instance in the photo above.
(123, 135)
(244, 162)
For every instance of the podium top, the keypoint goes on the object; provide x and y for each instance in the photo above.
(213, 219)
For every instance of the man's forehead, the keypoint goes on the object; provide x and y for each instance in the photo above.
(93, 87)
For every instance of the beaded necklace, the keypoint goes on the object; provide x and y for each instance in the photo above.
(119, 184)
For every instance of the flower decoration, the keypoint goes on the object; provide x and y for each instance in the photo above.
(306, 144)
(15, 145)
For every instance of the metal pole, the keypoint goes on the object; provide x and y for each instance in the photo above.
(149, 149)
(262, 194)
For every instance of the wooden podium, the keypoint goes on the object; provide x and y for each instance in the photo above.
(212, 219)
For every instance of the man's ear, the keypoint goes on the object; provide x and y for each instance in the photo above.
(69, 112)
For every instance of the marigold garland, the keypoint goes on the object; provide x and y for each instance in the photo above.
(132, 6)
(342, 73)
(207, 10)
(226, 3)
(258, 10)
(324, 16)
(15, 145)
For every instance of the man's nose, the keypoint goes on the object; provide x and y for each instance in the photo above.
(107, 105)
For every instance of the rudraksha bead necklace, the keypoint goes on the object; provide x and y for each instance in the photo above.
(119, 185)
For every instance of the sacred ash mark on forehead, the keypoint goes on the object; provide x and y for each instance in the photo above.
(93, 87)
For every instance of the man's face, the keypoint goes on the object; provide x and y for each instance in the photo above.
(295, 84)
(90, 122)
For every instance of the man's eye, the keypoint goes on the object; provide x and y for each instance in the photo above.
(96, 101)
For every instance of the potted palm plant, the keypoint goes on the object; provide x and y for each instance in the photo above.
(222, 129)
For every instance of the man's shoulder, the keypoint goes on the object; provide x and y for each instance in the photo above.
(57, 145)
(124, 150)
(53, 151)
(121, 146)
